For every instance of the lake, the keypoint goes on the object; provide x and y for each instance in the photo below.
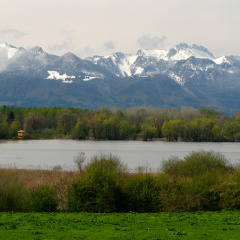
(48, 153)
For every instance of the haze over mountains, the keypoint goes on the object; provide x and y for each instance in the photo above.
(186, 75)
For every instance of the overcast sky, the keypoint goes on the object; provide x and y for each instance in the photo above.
(90, 27)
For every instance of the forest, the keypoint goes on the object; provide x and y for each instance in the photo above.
(146, 123)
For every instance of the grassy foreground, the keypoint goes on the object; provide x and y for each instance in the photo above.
(198, 225)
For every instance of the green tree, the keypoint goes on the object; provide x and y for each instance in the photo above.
(125, 129)
(217, 136)
(34, 121)
(3, 130)
(14, 128)
(80, 130)
(147, 131)
(171, 129)
(199, 129)
(231, 130)
(11, 117)
(96, 125)
(66, 121)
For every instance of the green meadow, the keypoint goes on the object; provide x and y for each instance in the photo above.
(197, 225)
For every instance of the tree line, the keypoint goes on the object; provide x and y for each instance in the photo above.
(185, 124)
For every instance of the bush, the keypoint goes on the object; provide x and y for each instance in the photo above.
(143, 194)
(201, 162)
(44, 199)
(172, 167)
(99, 188)
(195, 164)
(13, 195)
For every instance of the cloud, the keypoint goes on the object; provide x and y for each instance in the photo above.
(108, 46)
(65, 45)
(4, 60)
(12, 33)
(86, 52)
(149, 42)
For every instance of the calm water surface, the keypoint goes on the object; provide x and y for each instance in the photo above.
(49, 153)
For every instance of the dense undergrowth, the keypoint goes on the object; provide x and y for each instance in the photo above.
(201, 181)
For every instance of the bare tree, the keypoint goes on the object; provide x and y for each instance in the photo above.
(79, 161)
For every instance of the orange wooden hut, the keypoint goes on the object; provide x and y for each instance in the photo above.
(21, 134)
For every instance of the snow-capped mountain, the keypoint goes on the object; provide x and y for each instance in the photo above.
(185, 75)
(37, 63)
(180, 63)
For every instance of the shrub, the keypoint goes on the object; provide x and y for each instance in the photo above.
(57, 168)
(99, 188)
(13, 195)
(172, 167)
(196, 163)
(142, 193)
(44, 199)
(201, 162)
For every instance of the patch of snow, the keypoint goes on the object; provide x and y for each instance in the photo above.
(108, 56)
(231, 71)
(187, 53)
(221, 60)
(93, 74)
(126, 63)
(88, 78)
(176, 78)
(180, 52)
(209, 67)
(159, 54)
(138, 71)
(57, 76)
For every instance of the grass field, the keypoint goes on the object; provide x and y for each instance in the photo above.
(198, 225)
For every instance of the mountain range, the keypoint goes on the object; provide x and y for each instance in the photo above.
(185, 75)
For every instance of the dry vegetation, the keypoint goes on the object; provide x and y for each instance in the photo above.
(32, 178)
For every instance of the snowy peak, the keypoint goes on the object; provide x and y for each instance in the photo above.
(8, 49)
(184, 51)
(117, 63)
(151, 62)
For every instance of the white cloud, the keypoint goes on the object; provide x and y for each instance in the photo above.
(86, 52)
(109, 46)
(149, 42)
(66, 44)
(12, 34)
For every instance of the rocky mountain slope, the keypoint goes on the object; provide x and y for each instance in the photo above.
(182, 76)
